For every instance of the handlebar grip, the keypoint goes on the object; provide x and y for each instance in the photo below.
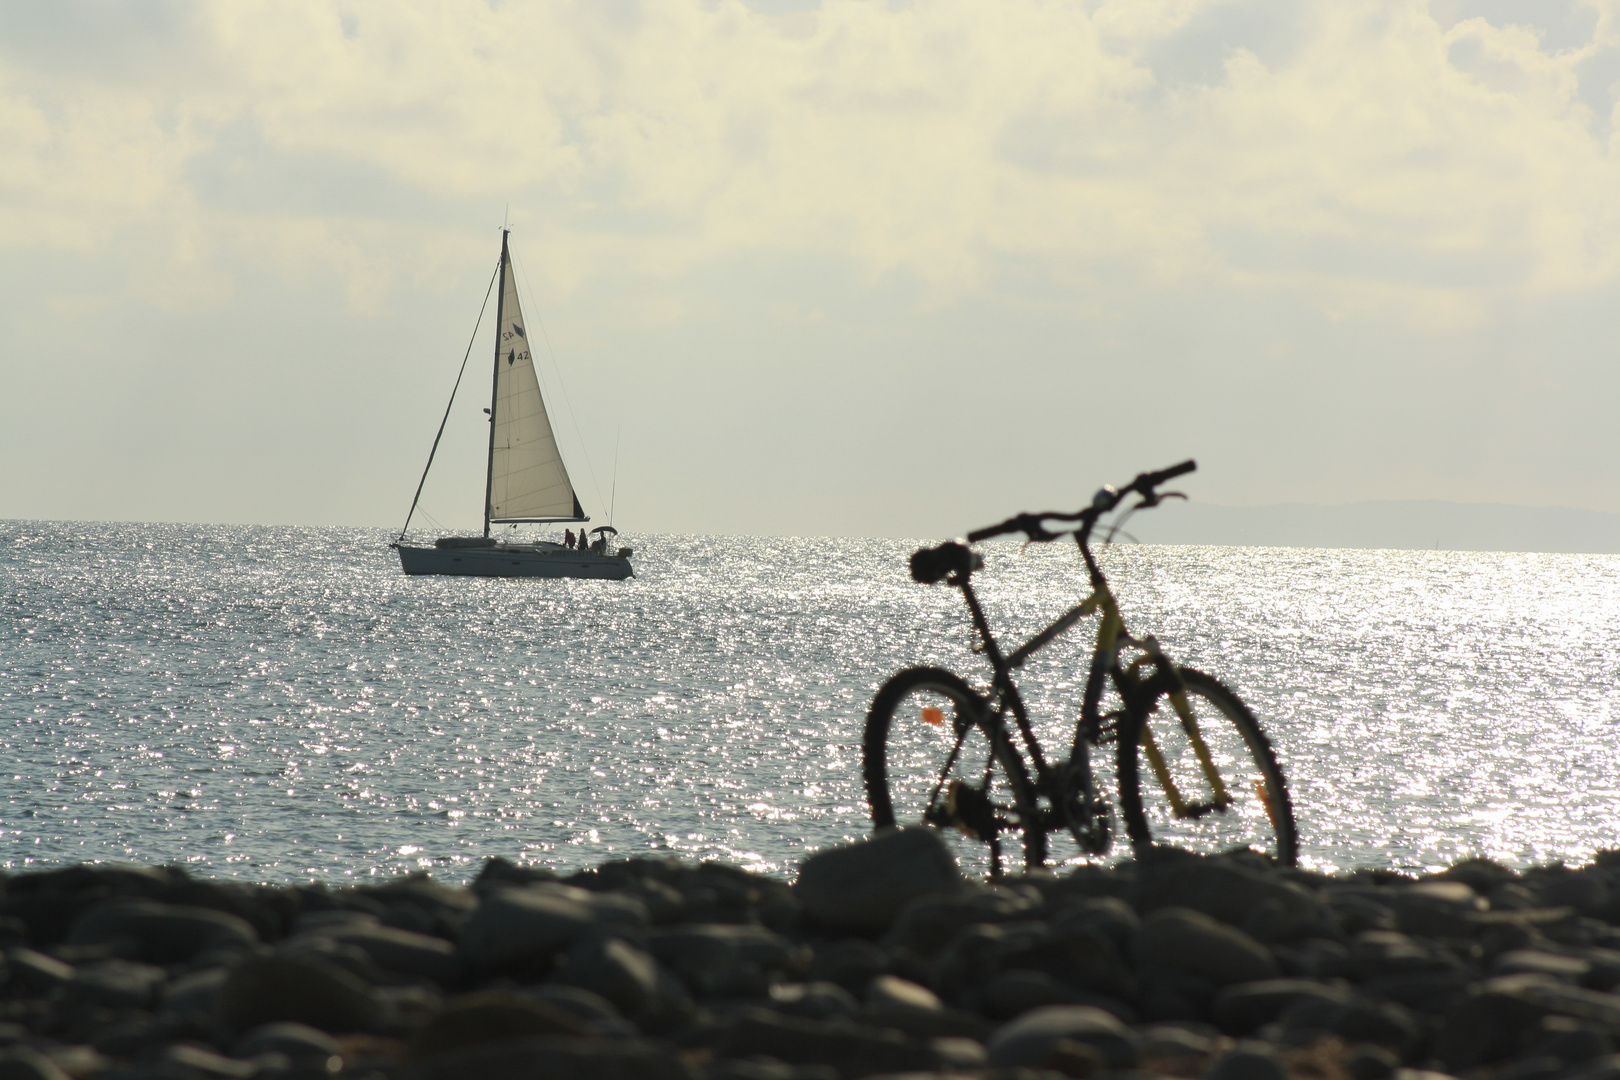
(1010, 525)
(1154, 479)
(929, 566)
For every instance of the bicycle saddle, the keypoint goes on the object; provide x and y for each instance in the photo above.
(930, 566)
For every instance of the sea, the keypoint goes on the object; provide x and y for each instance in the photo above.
(283, 704)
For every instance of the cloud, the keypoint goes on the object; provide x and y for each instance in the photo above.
(1262, 198)
(1350, 150)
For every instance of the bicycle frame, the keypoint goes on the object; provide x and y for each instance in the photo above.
(1111, 639)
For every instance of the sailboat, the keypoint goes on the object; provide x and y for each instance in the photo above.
(525, 482)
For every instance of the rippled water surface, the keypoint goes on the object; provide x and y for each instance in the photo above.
(284, 703)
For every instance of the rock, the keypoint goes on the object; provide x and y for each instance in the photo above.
(887, 990)
(598, 1013)
(1432, 992)
(35, 972)
(864, 886)
(161, 933)
(715, 892)
(1109, 916)
(1480, 874)
(492, 1016)
(614, 969)
(270, 910)
(521, 930)
(1357, 908)
(1570, 1040)
(1491, 1024)
(1174, 1043)
(959, 1055)
(263, 990)
(1316, 958)
(764, 1068)
(1069, 1058)
(1352, 1020)
(1532, 1068)
(916, 1011)
(192, 1000)
(1016, 991)
(813, 1000)
(1169, 995)
(1248, 1061)
(851, 963)
(1377, 953)
(298, 1042)
(117, 984)
(1369, 1062)
(498, 873)
(1274, 921)
(1184, 940)
(181, 1059)
(328, 920)
(556, 1058)
(1570, 969)
(1240, 1009)
(671, 1009)
(1437, 909)
(1220, 888)
(664, 903)
(925, 925)
(926, 1024)
(1027, 1040)
(852, 1050)
(722, 959)
(404, 951)
(25, 1063)
(1582, 890)
(329, 950)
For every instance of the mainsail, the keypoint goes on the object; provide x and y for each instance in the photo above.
(527, 480)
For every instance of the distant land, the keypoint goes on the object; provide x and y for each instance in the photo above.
(1412, 525)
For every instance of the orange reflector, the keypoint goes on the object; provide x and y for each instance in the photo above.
(1261, 790)
(933, 716)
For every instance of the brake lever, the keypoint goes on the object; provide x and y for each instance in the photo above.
(1150, 501)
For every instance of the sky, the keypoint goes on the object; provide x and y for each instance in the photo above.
(835, 268)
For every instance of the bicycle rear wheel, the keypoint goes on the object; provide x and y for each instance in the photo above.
(1209, 783)
(935, 755)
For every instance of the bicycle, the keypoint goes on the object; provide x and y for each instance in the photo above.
(1212, 780)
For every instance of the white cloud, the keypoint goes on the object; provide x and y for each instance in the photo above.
(929, 139)
(1417, 168)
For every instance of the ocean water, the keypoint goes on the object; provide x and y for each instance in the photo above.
(284, 704)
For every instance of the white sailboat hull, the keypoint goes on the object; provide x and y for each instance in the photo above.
(526, 560)
(526, 481)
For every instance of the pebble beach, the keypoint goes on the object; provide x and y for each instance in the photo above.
(877, 959)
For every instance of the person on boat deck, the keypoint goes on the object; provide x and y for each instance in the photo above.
(568, 538)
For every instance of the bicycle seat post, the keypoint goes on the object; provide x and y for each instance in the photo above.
(964, 582)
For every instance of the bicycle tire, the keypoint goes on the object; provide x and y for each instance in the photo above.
(898, 751)
(1259, 816)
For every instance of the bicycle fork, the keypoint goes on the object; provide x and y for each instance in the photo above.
(1111, 638)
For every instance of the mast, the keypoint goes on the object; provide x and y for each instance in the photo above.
(495, 385)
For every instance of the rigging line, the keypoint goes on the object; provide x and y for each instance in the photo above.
(523, 276)
(470, 341)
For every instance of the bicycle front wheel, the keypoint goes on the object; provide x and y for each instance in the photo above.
(934, 754)
(1202, 778)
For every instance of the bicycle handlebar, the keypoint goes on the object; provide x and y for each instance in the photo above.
(1034, 525)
